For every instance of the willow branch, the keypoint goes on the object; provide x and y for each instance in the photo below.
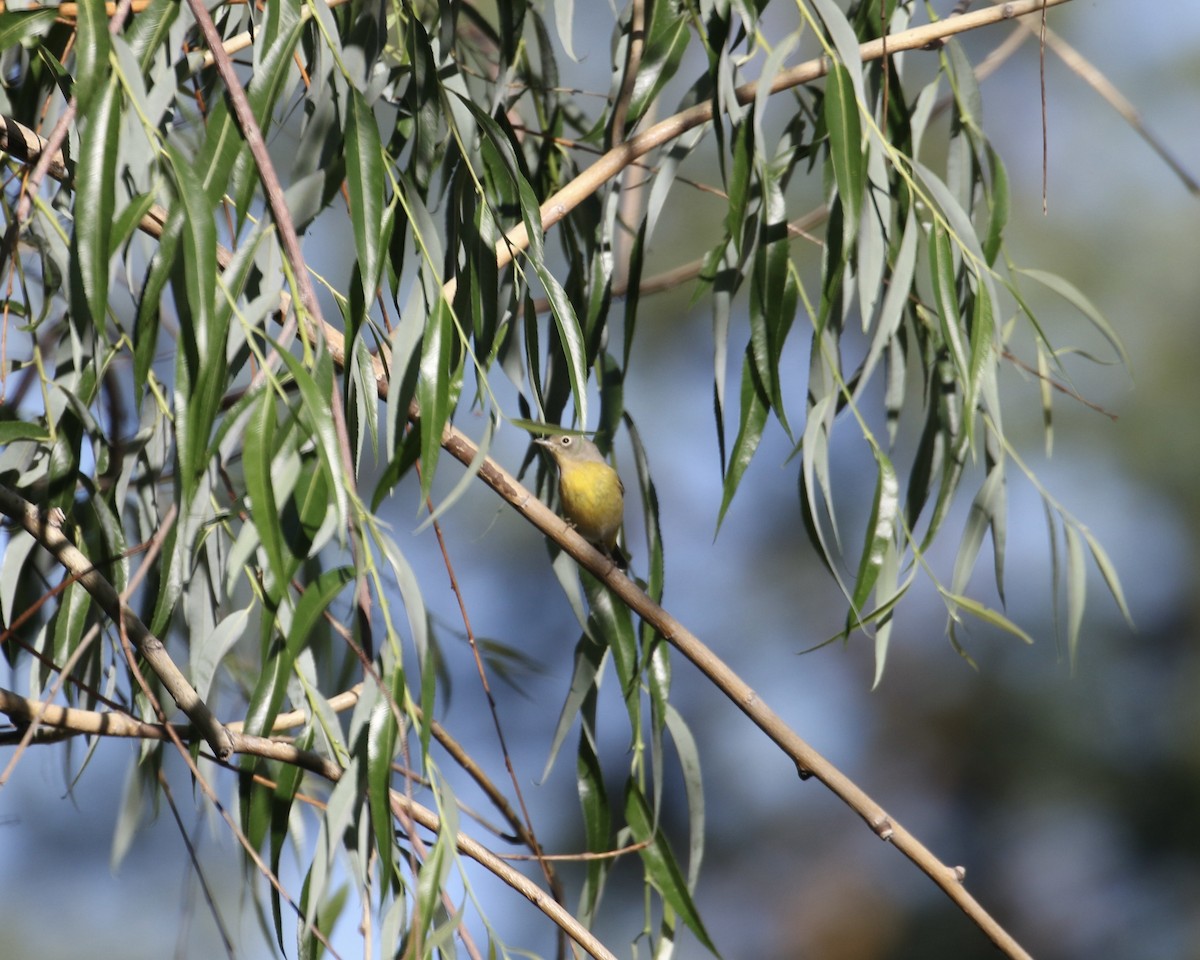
(47, 530)
(73, 720)
(612, 163)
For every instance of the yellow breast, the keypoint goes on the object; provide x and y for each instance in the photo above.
(593, 499)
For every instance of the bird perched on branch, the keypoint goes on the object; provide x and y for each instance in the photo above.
(593, 497)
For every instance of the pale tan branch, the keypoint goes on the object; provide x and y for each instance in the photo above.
(46, 529)
(117, 725)
(612, 163)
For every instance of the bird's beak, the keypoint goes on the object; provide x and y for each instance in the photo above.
(543, 441)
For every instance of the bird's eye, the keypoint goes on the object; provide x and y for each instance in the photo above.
(565, 441)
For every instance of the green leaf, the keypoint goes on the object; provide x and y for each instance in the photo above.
(661, 867)
(315, 391)
(981, 337)
(201, 366)
(597, 819)
(984, 613)
(277, 666)
(570, 338)
(589, 659)
(366, 184)
(1076, 590)
(688, 753)
(845, 141)
(997, 206)
(258, 461)
(382, 735)
(612, 624)
(14, 430)
(95, 200)
(207, 652)
(667, 37)
(1109, 572)
(895, 300)
(433, 388)
(987, 513)
(70, 621)
(880, 532)
(92, 78)
(1069, 292)
(945, 287)
(754, 408)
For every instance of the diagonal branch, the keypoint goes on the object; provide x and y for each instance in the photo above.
(617, 159)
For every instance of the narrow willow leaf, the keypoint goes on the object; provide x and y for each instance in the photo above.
(467, 480)
(146, 32)
(650, 510)
(207, 652)
(845, 41)
(845, 141)
(69, 621)
(997, 206)
(15, 28)
(666, 38)
(1046, 391)
(268, 695)
(945, 287)
(570, 338)
(1069, 292)
(870, 254)
(753, 418)
(722, 300)
(741, 188)
(814, 466)
(958, 222)
(410, 592)
(95, 201)
(987, 506)
(661, 868)
(987, 615)
(589, 660)
(92, 77)
(564, 20)
(982, 338)
(888, 593)
(1076, 590)
(315, 391)
(689, 765)
(879, 535)
(114, 552)
(1109, 572)
(381, 739)
(12, 431)
(17, 548)
(433, 388)
(612, 624)
(895, 300)
(366, 184)
(597, 815)
(202, 364)
(128, 219)
(258, 461)
(431, 880)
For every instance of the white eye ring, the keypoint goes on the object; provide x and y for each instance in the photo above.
(565, 441)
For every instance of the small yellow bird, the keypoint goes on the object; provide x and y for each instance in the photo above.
(593, 497)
